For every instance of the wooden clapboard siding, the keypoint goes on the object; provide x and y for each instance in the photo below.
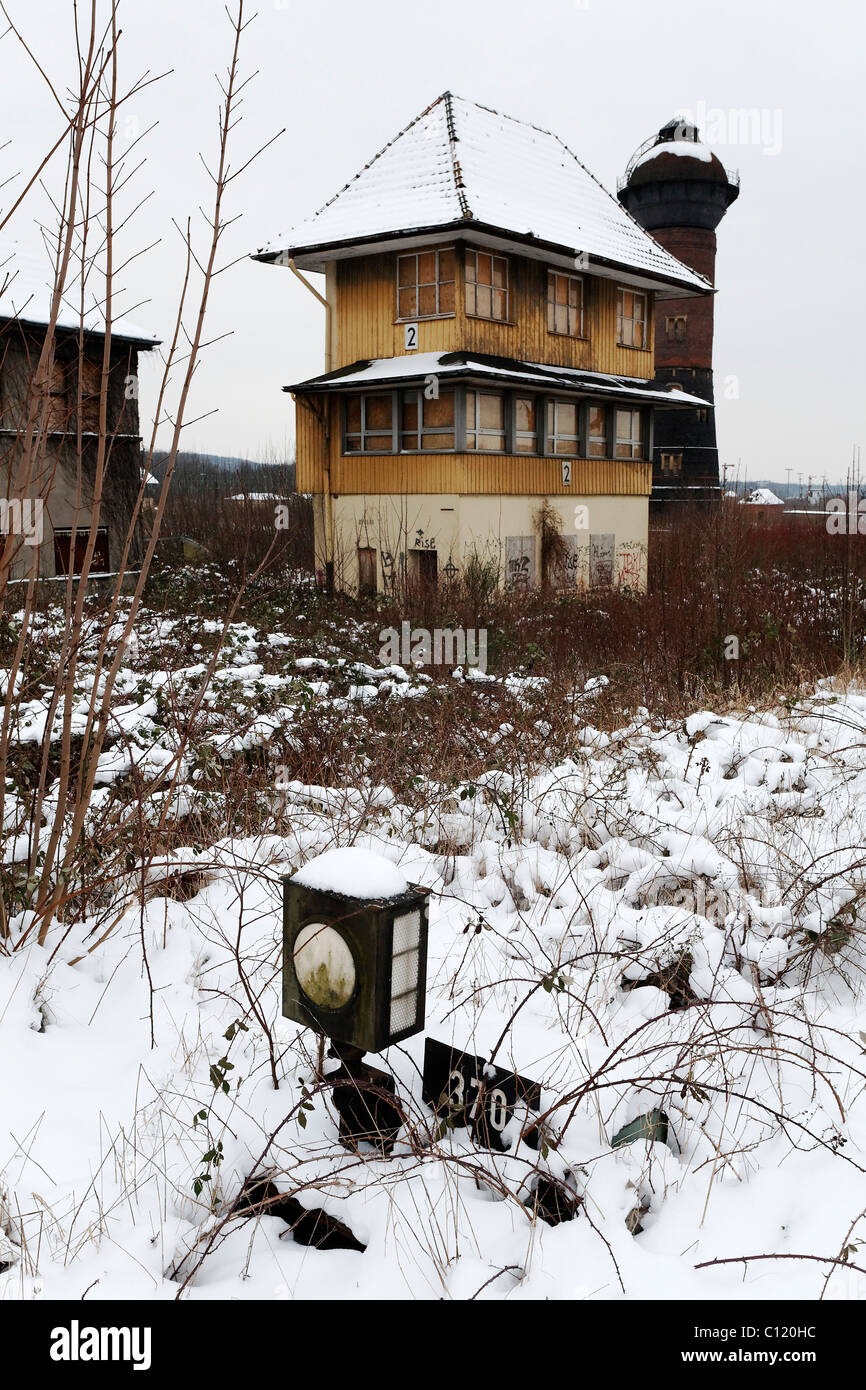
(468, 474)
(312, 443)
(366, 326)
(499, 475)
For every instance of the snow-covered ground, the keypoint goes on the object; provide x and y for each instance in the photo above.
(668, 919)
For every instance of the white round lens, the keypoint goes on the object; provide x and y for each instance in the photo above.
(324, 966)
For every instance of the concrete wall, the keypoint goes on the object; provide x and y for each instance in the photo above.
(604, 538)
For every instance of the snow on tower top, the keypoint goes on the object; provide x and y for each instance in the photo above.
(461, 165)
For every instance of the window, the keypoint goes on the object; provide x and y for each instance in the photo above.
(485, 420)
(631, 319)
(564, 304)
(427, 424)
(486, 285)
(597, 432)
(562, 428)
(672, 463)
(369, 424)
(64, 555)
(675, 327)
(425, 284)
(629, 435)
(58, 405)
(702, 414)
(525, 425)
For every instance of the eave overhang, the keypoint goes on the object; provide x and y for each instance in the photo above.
(315, 258)
(482, 369)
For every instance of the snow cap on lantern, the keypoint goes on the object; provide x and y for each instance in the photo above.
(354, 949)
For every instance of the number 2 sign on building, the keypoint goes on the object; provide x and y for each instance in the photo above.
(471, 1094)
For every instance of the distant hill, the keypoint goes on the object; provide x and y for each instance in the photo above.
(220, 475)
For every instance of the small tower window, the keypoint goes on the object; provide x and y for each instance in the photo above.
(672, 464)
(631, 319)
(675, 327)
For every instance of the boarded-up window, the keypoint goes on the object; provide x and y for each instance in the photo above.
(520, 562)
(562, 428)
(629, 435)
(366, 569)
(425, 284)
(597, 432)
(63, 551)
(369, 424)
(91, 383)
(631, 318)
(427, 424)
(58, 403)
(525, 425)
(486, 285)
(564, 304)
(485, 420)
(601, 549)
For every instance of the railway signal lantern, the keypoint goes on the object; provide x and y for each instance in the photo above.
(354, 950)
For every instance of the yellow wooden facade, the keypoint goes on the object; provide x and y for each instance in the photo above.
(365, 322)
(319, 447)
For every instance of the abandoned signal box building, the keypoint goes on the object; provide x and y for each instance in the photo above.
(490, 361)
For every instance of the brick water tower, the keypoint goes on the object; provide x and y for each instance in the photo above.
(678, 190)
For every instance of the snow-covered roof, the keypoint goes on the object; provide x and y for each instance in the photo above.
(27, 288)
(461, 165)
(467, 365)
(762, 497)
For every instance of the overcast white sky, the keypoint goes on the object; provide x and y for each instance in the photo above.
(344, 77)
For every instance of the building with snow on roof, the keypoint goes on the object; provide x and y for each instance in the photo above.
(489, 350)
(52, 442)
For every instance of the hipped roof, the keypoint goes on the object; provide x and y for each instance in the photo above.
(463, 168)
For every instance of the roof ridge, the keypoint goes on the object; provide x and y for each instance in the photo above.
(456, 170)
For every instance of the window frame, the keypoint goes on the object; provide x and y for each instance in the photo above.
(552, 435)
(671, 323)
(422, 429)
(671, 472)
(507, 430)
(364, 431)
(493, 256)
(621, 318)
(413, 255)
(642, 439)
(551, 304)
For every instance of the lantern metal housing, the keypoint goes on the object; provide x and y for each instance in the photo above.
(355, 969)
